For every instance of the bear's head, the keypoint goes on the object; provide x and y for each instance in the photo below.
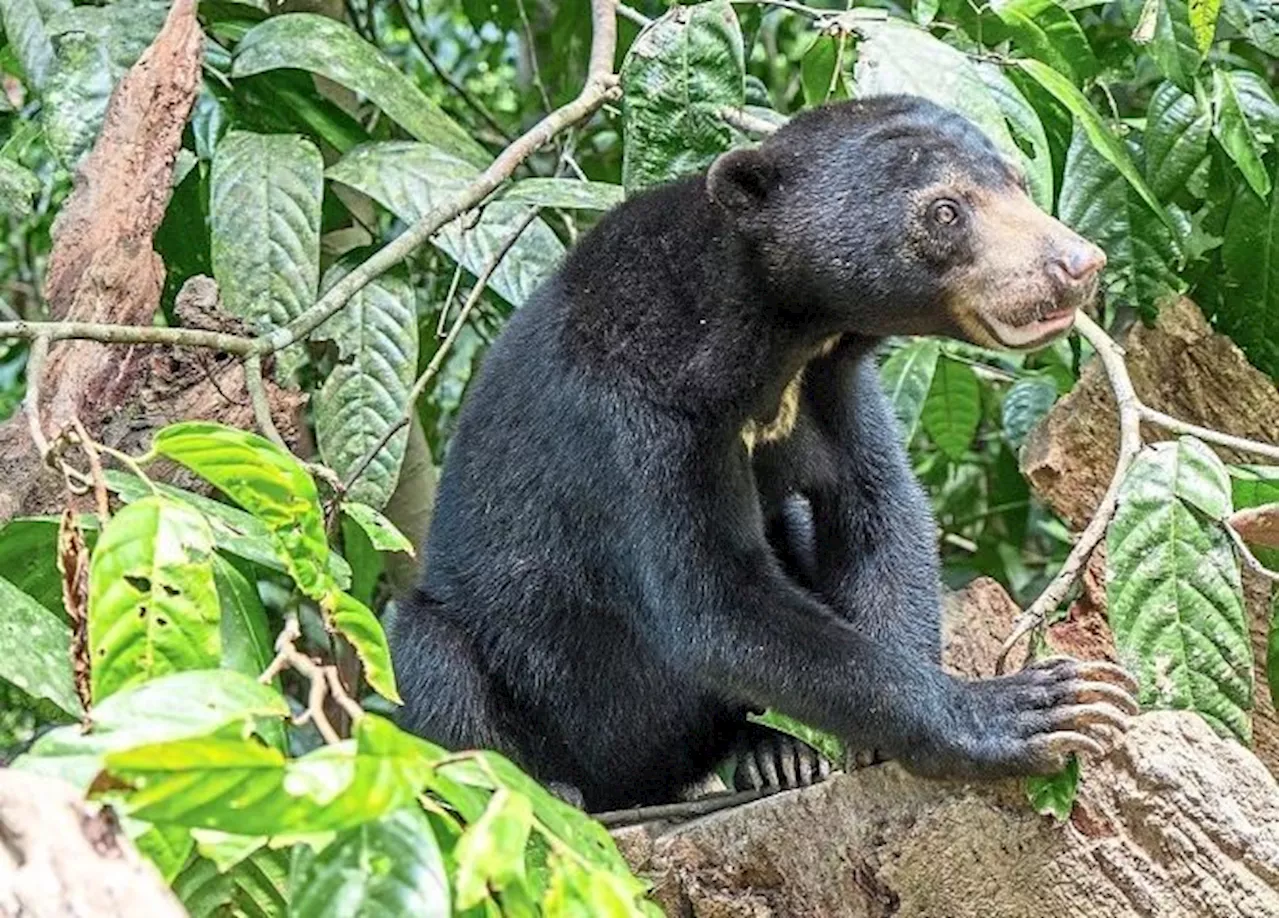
(891, 215)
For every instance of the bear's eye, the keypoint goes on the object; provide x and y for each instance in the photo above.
(945, 212)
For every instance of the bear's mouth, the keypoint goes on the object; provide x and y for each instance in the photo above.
(1050, 323)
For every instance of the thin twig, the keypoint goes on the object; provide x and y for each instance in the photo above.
(1127, 406)
(31, 401)
(86, 443)
(324, 681)
(437, 359)
(130, 334)
(634, 15)
(746, 122)
(256, 386)
(1240, 444)
(668, 811)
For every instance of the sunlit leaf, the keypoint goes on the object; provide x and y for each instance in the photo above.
(1055, 795)
(490, 854)
(382, 533)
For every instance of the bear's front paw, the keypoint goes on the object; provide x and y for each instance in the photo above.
(1030, 722)
(769, 760)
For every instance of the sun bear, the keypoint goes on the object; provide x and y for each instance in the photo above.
(677, 495)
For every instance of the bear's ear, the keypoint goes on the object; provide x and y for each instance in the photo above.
(740, 180)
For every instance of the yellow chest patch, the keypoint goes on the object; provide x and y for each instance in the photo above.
(784, 420)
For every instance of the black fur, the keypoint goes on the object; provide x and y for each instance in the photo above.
(610, 580)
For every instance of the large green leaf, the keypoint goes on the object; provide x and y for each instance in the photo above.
(173, 707)
(1251, 264)
(361, 627)
(1027, 401)
(17, 188)
(954, 407)
(35, 649)
(256, 887)
(93, 47)
(1106, 143)
(1098, 203)
(906, 377)
(900, 58)
(823, 69)
(680, 71)
(1173, 587)
(491, 852)
(264, 212)
(153, 606)
(1237, 136)
(391, 866)
(409, 179)
(247, 645)
(1046, 31)
(1024, 125)
(367, 392)
(324, 46)
(24, 28)
(250, 789)
(263, 479)
(1176, 140)
(29, 559)
(1167, 25)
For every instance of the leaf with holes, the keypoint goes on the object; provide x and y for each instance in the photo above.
(491, 852)
(367, 393)
(263, 479)
(391, 866)
(153, 606)
(178, 706)
(679, 72)
(251, 789)
(953, 409)
(264, 213)
(93, 47)
(382, 533)
(329, 48)
(35, 650)
(1176, 140)
(1096, 132)
(409, 179)
(353, 620)
(570, 194)
(1027, 401)
(906, 377)
(1099, 204)
(1173, 588)
(1251, 277)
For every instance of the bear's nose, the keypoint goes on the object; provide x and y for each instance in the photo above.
(1078, 263)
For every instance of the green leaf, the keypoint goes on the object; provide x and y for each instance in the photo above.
(1176, 141)
(1236, 134)
(391, 866)
(167, 847)
(35, 650)
(257, 887)
(223, 848)
(570, 194)
(906, 377)
(383, 534)
(900, 58)
(367, 393)
(263, 479)
(1256, 22)
(324, 46)
(1055, 795)
(953, 409)
(1100, 205)
(1173, 588)
(1254, 485)
(1024, 125)
(490, 854)
(679, 72)
(1027, 401)
(832, 747)
(153, 606)
(1172, 39)
(24, 28)
(250, 789)
(822, 69)
(1273, 655)
(28, 557)
(247, 645)
(361, 628)
(264, 212)
(235, 532)
(409, 179)
(1204, 22)
(18, 186)
(1250, 268)
(1107, 144)
(173, 707)
(1049, 33)
(93, 47)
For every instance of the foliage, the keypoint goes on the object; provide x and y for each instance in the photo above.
(1150, 127)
